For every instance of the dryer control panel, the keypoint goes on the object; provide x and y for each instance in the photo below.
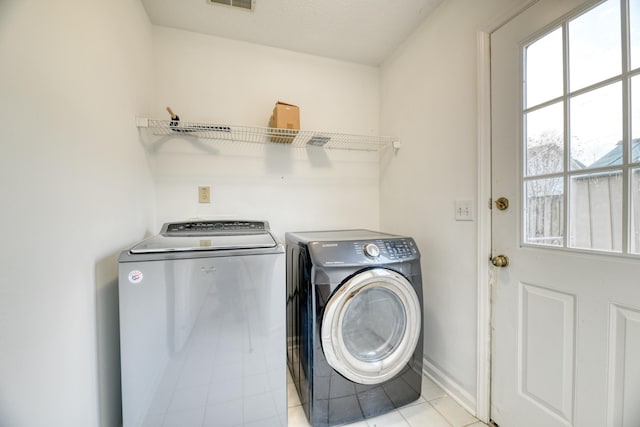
(364, 252)
(397, 249)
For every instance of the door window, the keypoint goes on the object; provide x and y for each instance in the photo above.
(581, 131)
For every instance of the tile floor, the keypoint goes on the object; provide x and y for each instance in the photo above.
(433, 409)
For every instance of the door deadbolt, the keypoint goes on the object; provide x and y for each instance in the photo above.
(502, 204)
(500, 261)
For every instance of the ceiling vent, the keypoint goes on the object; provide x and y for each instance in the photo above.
(241, 4)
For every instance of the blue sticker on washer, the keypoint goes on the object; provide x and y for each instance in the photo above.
(135, 276)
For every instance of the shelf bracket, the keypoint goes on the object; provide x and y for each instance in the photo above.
(142, 122)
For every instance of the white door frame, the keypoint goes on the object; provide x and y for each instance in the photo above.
(485, 279)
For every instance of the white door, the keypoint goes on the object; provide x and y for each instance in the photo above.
(566, 156)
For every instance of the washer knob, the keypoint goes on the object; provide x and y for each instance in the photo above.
(371, 250)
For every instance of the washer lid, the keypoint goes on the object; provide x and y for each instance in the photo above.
(162, 243)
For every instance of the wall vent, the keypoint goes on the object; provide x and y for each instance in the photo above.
(242, 4)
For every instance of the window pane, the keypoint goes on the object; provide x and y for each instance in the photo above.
(596, 128)
(634, 30)
(544, 69)
(595, 218)
(594, 45)
(544, 212)
(545, 140)
(634, 215)
(635, 119)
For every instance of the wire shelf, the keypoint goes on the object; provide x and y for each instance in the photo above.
(261, 135)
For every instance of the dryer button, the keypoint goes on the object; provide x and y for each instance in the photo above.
(371, 250)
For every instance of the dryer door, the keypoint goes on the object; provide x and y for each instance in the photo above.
(371, 326)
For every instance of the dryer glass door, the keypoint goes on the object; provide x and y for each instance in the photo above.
(371, 326)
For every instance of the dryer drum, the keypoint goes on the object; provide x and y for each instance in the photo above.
(371, 326)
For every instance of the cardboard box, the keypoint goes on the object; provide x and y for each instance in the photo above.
(285, 121)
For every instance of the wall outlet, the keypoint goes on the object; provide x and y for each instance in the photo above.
(204, 194)
(464, 210)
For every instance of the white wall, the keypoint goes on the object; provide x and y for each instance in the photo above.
(215, 80)
(75, 189)
(428, 92)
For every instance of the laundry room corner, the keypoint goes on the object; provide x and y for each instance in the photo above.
(236, 253)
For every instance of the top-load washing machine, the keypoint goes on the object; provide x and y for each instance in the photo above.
(202, 327)
(354, 323)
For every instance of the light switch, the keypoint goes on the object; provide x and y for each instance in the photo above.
(204, 194)
(464, 210)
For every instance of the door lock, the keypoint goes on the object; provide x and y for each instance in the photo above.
(500, 261)
(502, 204)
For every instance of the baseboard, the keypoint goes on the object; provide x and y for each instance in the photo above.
(451, 387)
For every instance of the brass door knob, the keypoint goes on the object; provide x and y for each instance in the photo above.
(500, 261)
(502, 204)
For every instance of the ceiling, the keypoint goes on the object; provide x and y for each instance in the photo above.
(362, 31)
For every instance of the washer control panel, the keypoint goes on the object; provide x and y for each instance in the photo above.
(213, 227)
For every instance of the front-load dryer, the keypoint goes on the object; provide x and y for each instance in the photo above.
(354, 323)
